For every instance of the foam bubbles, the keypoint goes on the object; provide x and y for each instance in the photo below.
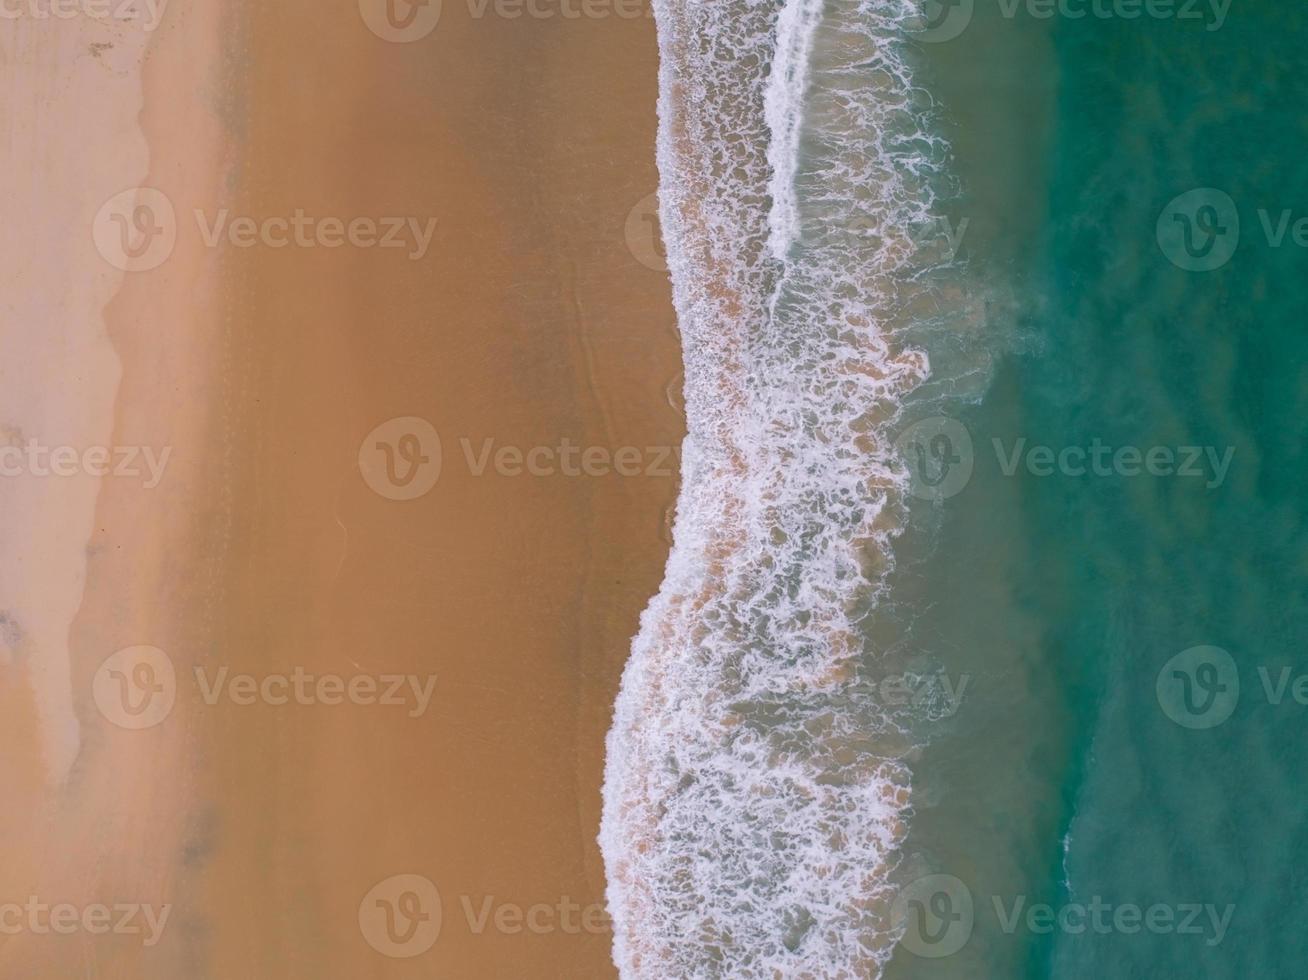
(755, 792)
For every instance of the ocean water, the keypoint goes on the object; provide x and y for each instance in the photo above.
(977, 650)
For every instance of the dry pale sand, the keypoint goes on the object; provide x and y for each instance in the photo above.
(528, 320)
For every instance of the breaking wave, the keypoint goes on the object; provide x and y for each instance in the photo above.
(755, 791)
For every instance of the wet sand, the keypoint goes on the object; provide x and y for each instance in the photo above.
(527, 321)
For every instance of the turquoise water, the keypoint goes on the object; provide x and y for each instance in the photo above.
(1076, 773)
(979, 645)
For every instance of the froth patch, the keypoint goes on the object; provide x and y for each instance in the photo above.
(754, 794)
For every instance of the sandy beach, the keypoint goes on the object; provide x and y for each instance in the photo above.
(380, 724)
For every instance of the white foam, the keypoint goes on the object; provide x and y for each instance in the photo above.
(754, 792)
(783, 106)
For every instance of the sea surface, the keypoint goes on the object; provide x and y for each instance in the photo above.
(978, 647)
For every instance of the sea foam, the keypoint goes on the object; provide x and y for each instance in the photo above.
(755, 792)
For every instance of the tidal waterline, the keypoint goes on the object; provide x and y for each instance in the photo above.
(1097, 829)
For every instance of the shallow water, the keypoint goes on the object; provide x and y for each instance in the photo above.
(1115, 386)
(1065, 780)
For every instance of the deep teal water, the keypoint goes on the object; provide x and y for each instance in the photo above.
(1074, 773)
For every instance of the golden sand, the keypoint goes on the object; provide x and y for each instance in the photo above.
(526, 321)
